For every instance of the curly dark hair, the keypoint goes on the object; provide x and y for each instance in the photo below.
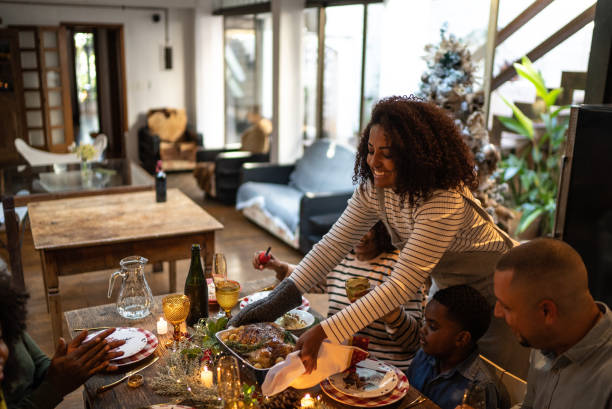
(13, 323)
(426, 147)
(382, 238)
(467, 307)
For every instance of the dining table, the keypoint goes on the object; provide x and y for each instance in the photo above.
(123, 396)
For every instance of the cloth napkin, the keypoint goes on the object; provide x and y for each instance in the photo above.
(332, 358)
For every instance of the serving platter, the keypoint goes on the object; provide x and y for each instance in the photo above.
(258, 373)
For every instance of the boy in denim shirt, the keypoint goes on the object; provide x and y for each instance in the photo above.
(447, 363)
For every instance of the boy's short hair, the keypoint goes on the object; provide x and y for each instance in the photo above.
(467, 307)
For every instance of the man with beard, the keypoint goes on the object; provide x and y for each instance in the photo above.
(542, 293)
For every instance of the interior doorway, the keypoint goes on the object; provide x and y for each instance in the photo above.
(97, 84)
(86, 117)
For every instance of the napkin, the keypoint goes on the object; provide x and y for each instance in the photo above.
(332, 358)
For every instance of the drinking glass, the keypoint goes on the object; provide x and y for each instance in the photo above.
(176, 309)
(356, 287)
(227, 292)
(475, 397)
(228, 380)
(220, 265)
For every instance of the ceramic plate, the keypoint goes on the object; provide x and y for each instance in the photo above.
(263, 294)
(398, 393)
(149, 349)
(135, 340)
(296, 320)
(375, 379)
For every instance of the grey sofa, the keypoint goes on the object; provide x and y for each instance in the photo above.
(298, 203)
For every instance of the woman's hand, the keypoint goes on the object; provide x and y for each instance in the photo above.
(281, 268)
(309, 344)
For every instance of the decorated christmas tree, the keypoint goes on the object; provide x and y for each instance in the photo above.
(450, 82)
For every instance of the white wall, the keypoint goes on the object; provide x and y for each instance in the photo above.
(287, 80)
(149, 85)
(209, 86)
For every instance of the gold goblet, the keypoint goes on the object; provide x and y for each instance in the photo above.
(227, 292)
(176, 309)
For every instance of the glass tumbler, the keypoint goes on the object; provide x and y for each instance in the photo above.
(228, 380)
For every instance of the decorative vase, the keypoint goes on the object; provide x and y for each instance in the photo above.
(86, 174)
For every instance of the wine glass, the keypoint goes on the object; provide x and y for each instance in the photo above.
(227, 292)
(475, 397)
(176, 309)
(228, 380)
(220, 266)
(356, 287)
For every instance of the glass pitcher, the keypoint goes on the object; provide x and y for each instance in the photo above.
(135, 298)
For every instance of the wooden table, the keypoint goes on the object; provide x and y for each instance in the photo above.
(94, 233)
(125, 176)
(121, 396)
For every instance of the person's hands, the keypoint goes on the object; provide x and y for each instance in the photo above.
(72, 364)
(309, 344)
(112, 344)
(281, 268)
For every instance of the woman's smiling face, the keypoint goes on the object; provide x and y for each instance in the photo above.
(379, 158)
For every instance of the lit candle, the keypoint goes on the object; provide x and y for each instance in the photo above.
(307, 402)
(206, 377)
(162, 326)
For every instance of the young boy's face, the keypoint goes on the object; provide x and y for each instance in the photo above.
(439, 335)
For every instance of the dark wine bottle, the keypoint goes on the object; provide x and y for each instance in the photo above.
(196, 288)
(160, 183)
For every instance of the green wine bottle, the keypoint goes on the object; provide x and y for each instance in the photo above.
(196, 288)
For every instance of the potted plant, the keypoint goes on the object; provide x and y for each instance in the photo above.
(533, 174)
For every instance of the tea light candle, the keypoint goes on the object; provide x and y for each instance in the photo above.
(307, 402)
(206, 377)
(162, 326)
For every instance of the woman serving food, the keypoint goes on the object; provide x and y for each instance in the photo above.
(415, 174)
(393, 338)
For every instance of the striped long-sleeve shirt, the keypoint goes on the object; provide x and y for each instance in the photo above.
(395, 342)
(445, 222)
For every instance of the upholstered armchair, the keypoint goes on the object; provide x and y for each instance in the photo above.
(167, 137)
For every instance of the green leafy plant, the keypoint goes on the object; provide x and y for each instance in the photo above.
(249, 396)
(533, 175)
(207, 328)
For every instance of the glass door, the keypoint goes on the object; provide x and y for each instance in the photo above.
(45, 82)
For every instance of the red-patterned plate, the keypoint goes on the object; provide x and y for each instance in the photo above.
(399, 392)
(143, 353)
(263, 294)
